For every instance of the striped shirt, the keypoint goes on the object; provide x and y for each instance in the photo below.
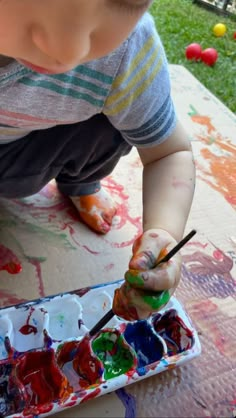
(130, 86)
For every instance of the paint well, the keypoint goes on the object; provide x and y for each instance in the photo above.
(145, 342)
(41, 374)
(177, 336)
(116, 355)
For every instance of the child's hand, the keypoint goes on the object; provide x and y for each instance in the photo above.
(148, 287)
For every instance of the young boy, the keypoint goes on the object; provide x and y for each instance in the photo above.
(81, 82)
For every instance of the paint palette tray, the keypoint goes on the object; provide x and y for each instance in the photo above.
(46, 365)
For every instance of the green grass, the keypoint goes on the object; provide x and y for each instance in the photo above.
(179, 23)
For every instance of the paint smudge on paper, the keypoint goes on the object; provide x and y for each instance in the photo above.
(9, 261)
(211, 272)
(219, 170)
(205, 313)
(128, 401)
(123, 211)
(7, 298)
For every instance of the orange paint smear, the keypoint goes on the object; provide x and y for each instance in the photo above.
(96, 213)
(222, 167)
(205, 121)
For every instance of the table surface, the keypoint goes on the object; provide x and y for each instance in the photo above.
(58, 253)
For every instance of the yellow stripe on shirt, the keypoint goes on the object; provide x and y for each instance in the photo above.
(134, 81)
(128, 100)
(134, 63)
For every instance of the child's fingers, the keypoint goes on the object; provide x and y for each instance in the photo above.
(146, 250)
(166, 276)
(134, 304)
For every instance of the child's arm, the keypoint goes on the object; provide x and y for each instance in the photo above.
(168, 186)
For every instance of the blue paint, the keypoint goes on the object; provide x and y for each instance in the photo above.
(145, 342)
(128, 402)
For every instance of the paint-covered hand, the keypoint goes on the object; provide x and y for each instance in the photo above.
(148, 286)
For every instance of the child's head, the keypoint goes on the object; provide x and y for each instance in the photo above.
(59, 34)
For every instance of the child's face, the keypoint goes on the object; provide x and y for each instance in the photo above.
(57, 35)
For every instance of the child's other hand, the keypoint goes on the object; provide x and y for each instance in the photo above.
(148, 287)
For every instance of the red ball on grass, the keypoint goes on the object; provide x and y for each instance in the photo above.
(234, 35)
(193, 52)
(209, 56)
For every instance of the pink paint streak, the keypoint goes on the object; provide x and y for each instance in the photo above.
(117, 190)
(36, 264)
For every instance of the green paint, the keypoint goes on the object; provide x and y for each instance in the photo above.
(112, 350)
(156, 299)
(193, 111)
(133, 277)
(58, 238)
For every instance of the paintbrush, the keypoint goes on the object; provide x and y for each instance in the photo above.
(109, 315)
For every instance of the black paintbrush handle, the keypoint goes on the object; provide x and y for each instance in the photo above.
(100, 324)
(109, 315)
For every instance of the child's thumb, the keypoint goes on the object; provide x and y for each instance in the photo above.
(144, 260)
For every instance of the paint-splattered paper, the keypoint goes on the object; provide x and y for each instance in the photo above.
(43, 235)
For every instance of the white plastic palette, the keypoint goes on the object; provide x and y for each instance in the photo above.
(44, 366)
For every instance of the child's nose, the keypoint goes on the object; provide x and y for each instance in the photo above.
(64, 47)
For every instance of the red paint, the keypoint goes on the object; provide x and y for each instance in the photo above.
(91, 395)
(72, 401)
(70, 404)
(118, 194)
(131, 372)
(28, 329)
(12, 268)
(218, 255)
(9, 261)
(43, 381)
(90, 251)
(172, 329)
(88, 367)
